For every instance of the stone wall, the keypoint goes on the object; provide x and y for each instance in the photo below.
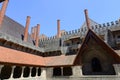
(77, 75)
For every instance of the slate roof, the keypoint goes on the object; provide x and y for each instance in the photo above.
(13, 28)
(8, 38)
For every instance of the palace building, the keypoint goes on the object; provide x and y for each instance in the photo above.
(91, 52)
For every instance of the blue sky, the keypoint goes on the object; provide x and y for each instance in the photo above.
(70, 12)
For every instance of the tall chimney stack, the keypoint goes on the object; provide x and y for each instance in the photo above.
(3, 10)
(87, 18)
(58, 29)
(26, 29)
(34, 33)
(37, 35)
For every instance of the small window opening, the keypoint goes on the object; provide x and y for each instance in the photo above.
(57, 72)
(96, 65)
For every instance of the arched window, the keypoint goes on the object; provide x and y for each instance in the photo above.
(57, 71)
(6, 72)
(96, 65)
(26, 72)
(17, 72)
(67, 71)
(39, 71)
(33, 74)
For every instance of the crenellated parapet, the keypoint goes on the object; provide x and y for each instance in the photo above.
(71, 32)
(99, 29)
(54, 42)
(50, 41)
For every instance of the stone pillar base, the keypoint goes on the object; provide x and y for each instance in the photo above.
(77, 71)
(117, 69)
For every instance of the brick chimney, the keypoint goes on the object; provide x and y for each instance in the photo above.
(87, 18)
(3, 10)
(37, 35)
(26, 29)
(34, 32)
(58, 29)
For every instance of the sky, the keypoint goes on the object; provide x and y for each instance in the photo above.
(70, 13)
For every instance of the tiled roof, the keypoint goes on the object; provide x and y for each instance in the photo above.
(8, 55)
(60, 60)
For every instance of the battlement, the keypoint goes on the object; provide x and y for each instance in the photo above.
(83, 30)
(48, 38)
(71, 32)
(55, 42)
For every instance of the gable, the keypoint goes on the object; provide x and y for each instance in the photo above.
(94, 50)
(92, 47)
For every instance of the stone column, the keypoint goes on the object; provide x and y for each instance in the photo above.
(23, 67)
(49, 72)
(61, 71)
(77, 71)
(117, 69)
(12, 72)
(43, 74)
(1, 66)
(37, 71)
(30, 72)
